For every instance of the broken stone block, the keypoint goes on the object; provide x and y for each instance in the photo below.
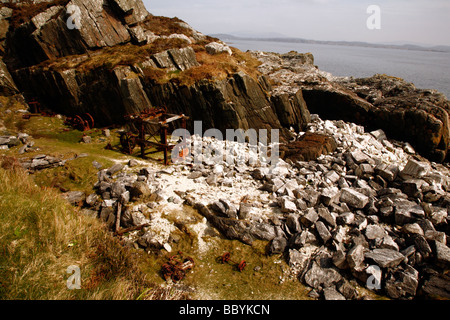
(293, 223)
(353, 198)
(412, 187)
(218, 207)
(302, 239)
(114, 169)
(433, 235)
(340, 234)
(75, 198)
(332, 177)
(330, 196)
(230, 210)
(299, 259)
(359, 157)
(86, 139)
(345, 219)
(277, 245)
(140, 190)
(364, 170)
(325, 215)
(245, 210)
(309, 218)
(414, 169)
(355, 258)
(323, 231)
(287, 206)
(108, 216)
(402, 283)
(273, 185)
(439, 217)
(263, 231)
(438, 286)
(195, 175)
(258, 174)
(386, 212)
(311, 197)
(385, 258)
(340, 259)
(379, 135)
(387, 172)
(412, 228)
(375, 232)
(389, 243)
(442, 254)
(212, 180)
(347, 290)
(317, 277)
(332, 294)
(407, 212)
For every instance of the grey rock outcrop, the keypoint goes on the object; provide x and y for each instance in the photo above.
(401, 110)
(102, 23)
(109, 92)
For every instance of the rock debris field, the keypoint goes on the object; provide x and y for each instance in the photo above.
(372, 213)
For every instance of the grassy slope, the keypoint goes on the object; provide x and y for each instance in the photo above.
(41, 236)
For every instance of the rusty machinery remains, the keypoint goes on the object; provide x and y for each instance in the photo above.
(177, 267)
(144, 127)
(36, 110)
(83, 122)
(226, 258)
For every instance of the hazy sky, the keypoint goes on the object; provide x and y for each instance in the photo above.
(412, 21)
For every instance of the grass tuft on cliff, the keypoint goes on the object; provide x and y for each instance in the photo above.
(212, 68)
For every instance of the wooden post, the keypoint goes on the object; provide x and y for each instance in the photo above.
(164, 143)
(118, 216)
(142, 138)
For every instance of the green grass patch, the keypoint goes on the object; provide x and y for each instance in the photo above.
(41, 236)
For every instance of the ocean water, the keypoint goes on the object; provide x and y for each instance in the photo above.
(427, 70)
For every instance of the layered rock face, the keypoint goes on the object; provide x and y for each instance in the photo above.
(399, 108)
(66, 57)
(75, 28)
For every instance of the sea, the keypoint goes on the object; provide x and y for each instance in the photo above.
(426, 69)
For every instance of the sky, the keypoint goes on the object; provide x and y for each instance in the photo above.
(401, 21)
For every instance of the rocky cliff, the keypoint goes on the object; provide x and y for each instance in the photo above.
(111, 58)
(122, 60)
(404, 112)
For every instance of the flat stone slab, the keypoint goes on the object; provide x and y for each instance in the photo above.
(385, 258)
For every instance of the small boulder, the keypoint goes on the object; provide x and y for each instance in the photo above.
(214, 48)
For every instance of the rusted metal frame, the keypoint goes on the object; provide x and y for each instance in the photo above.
(177, 267)
(121, 232)
(35, 106)
(226, 258)
(149, 117)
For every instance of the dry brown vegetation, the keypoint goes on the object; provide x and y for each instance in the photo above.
(26, 9)
(41, 236)
(127, 54)
(217, 67)
(164, 26)
(212, 67)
